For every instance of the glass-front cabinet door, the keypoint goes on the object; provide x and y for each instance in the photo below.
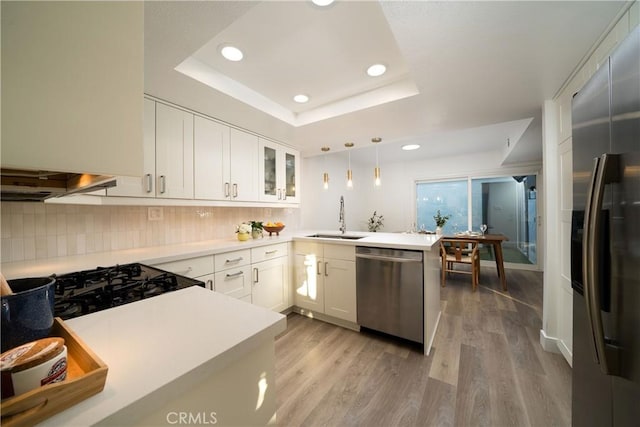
(269, 177)
(279, 169)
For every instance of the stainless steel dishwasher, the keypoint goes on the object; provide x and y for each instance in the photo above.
(389, 286)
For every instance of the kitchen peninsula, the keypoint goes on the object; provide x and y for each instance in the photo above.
(189, 353)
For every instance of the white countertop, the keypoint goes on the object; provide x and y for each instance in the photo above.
(150, 343)
(160, 254)
(414, 241)
(147, 255)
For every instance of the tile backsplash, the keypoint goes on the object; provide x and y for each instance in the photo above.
(38, 230)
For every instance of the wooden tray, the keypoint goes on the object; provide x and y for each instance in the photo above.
(86, 376)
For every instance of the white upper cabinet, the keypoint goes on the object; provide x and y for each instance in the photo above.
(174, 152)
(72, 85)
(243, 166)
(211, 160)
(142, 186)
(279, 173)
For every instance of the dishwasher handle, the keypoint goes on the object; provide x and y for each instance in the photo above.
(387, 258)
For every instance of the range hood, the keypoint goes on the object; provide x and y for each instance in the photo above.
(36, 186)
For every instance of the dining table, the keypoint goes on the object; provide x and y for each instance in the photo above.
(494, 241)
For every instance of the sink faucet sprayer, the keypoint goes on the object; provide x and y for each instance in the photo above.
(343, 225)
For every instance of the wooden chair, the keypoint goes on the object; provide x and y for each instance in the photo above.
(457, 251)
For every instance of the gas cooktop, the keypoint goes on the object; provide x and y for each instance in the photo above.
(89, 291)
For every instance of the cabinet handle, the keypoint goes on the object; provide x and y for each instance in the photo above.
(319, 268)
(162, 184)
(326, 269)
(255, 275)
(226, 189)
(279, 194)
(210, 284)
(239, 273)
(149, 182)
(284, 194)
(235, 190)
(233, 261)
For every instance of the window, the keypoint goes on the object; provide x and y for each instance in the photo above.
(449, 197)
(507, 205)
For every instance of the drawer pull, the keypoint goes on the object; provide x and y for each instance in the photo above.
(233, 261)
(239, 273)
(271, 252)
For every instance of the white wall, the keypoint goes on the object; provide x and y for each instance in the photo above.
(395, 199)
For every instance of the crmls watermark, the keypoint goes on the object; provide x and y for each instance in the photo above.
(192, 418)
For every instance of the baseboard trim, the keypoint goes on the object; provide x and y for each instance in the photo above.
(555, 345)
(548, 343)
(325, 318)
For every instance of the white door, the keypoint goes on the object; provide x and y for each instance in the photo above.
(174, 152)
(308, 288)
(243, 164)
(142, 186)
(210, 141)
(270, 284)
(340, 289)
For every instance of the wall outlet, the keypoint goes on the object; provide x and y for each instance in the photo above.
(155, 213)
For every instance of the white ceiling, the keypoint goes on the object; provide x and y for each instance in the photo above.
(462, 76)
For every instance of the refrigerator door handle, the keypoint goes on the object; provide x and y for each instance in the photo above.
(607, 173)
(587, 260)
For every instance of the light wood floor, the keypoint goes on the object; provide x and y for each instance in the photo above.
(486, 367)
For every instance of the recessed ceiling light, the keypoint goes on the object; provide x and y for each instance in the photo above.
(231, 53)
(301, 99)
(410, 147)
(322, 3)
(376, 70)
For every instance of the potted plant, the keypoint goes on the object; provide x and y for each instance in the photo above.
(243, 231)
(375, 222)
(256, 229)
(440, 221)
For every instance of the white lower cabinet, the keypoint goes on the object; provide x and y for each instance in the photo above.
(325, 279)
(270, 282)
(258, 275)
(233, 274)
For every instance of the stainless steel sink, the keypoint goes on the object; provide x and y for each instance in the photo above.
(336, 236)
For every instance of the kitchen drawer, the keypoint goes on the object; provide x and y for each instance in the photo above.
(235, 282)
(232, 259)
(191, 267)
(344, 252)
(304, 248)
(264, 253)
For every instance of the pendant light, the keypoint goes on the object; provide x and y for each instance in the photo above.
(349, 145)
(376, 171)
(325, 175)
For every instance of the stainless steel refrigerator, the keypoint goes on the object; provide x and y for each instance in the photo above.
(605, 242)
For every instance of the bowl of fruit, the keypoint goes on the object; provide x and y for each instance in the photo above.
(273, 227)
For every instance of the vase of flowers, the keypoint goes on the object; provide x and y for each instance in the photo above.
(440, 220)
(256, 229)
(243, 231)
(375, 222)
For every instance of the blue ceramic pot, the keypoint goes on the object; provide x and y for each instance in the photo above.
(27, 315)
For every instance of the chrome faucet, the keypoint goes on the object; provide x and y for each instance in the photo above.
(343, 225)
